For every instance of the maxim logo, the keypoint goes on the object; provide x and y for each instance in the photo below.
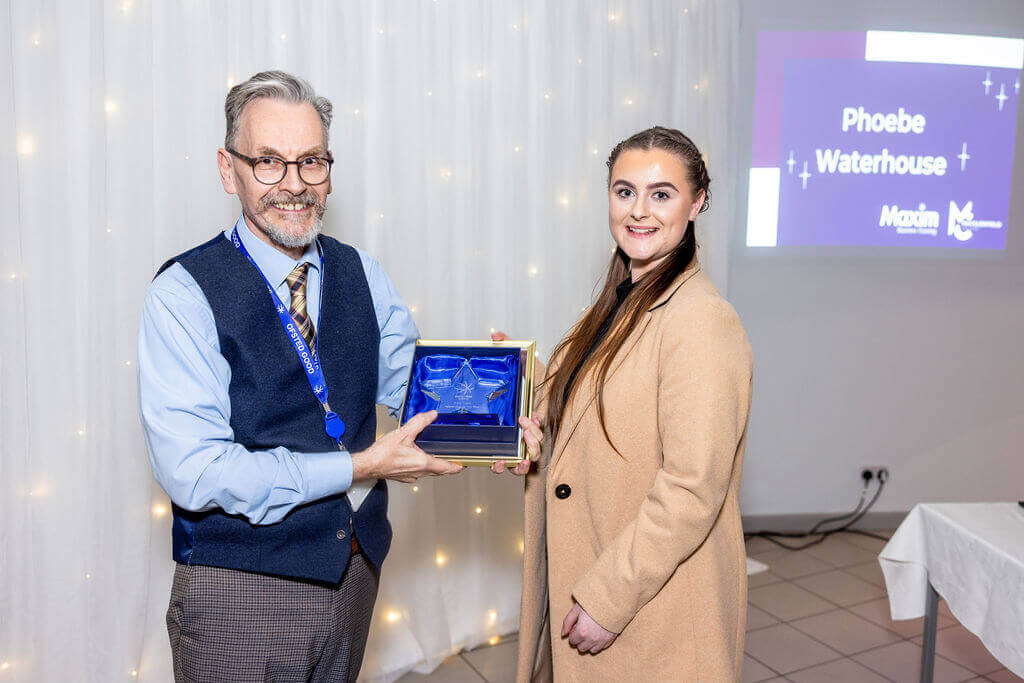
(908, 221)
(962, 223)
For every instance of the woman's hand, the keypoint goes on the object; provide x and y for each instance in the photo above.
(533, 436)
(585, 634)
(532, 433)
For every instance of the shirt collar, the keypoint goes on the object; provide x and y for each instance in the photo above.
(275, 264)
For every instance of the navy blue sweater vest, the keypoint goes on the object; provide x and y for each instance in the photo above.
(272, 405)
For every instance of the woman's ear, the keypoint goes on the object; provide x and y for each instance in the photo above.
(698, 204)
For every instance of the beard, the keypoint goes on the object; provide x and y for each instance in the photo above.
(278, 230)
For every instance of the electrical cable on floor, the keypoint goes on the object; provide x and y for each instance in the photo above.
(855, 516)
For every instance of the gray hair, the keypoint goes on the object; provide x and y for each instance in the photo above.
(278, 85)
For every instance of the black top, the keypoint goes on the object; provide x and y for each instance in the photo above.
(621, 292)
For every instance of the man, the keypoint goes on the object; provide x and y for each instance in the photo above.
(262, 354)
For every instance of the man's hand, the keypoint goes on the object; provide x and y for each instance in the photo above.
(395, 456)
(585, 634)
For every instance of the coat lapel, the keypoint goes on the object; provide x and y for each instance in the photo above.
(585, 398)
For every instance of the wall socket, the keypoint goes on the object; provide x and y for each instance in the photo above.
(869, 473)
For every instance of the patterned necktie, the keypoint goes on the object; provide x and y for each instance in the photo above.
(297, 284)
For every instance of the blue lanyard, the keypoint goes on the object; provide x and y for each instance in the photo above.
(310, 360)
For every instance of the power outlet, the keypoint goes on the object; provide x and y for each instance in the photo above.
(869, 473)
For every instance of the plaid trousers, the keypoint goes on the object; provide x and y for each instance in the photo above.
(229, 625)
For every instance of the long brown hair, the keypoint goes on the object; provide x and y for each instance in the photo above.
(573, 349)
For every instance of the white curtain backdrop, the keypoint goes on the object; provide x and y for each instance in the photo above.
(471, 139)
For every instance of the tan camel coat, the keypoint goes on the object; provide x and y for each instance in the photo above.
(649, 542)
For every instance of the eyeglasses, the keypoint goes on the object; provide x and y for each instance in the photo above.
(271, 170)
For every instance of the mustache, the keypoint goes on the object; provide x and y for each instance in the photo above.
(306, 197)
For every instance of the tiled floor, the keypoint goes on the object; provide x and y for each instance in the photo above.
(817, 615)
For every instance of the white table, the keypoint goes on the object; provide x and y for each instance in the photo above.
(972, 554)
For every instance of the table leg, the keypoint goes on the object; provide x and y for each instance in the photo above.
(931, 620)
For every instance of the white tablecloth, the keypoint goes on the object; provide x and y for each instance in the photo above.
(973, 553)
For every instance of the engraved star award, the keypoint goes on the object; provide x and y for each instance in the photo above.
(480, 389)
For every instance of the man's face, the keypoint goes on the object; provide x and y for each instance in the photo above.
(289, 212)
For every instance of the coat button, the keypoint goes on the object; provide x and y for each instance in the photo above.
(341, 534)
(562, 491)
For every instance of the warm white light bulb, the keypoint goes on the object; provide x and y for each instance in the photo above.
(547, 96)
(380, 216)
(135, 673)
(478, 510)
(126, 6)
(563, 200)
(187, 156)
(284, 36)
(446, 174)
(579, 60)
(628, 101)
(441, 560)
(5, 666)
(415, 489)
(127, 362)
(14, 276)
(492, 617)
(612, 16)
(110, 106)
(392, 616)
(430, 93)
(494, 640)
(532, 271)
(654, 53)
(516, 148)
(159, 509)
(355, 111)
(26, 146)
(594, 150)
(110, 230)
(88, 576)
(81, 432)
(35, 38)
(231, 82)
(480, 73)
(413, 309)
(380, 32)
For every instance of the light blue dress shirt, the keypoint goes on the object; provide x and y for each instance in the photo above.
(186, 410)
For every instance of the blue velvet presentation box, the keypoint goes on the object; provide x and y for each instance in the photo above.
(480, 389)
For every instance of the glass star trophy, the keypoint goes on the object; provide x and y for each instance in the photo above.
(480, 389)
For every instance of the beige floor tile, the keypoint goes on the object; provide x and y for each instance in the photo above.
(875, 545)
(841, 588)
(758, 618)
(496, 664)
(845, 631)
(840, 671)
(794, 564)
(786, 601)
(452, 670)
(902, 662)
(839, 553)
(958, 644)
(1004, 676)
(762, 579)
(877, 611)
(783, 648)
(756, 544)
(754, 671)
(868, 571)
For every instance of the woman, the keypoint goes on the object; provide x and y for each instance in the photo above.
(634, 564)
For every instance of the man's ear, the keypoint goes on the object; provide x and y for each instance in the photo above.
(227, 172)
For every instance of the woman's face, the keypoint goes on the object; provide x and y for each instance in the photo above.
(650, 203)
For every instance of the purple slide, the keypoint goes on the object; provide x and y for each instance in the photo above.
(883, 138)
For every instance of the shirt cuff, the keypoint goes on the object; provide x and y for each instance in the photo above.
(327, 474)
